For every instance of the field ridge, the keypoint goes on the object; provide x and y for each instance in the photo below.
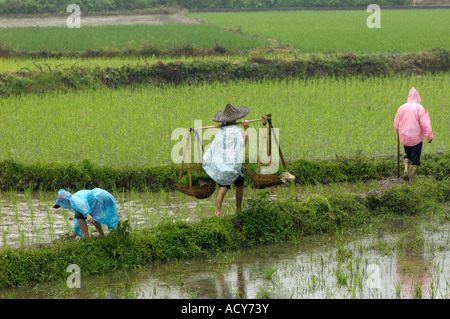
(18, 176)
(256, 68)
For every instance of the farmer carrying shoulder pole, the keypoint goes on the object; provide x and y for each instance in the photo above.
(96, 205)
(223, 160)
(412, 124)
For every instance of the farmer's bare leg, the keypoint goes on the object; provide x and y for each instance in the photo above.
(219, 199)
(83, 226)
(99, 228)
(239, 196)
(413, 171)
(405, 174)
(406, 165)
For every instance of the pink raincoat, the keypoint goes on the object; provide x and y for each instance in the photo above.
(412, 121)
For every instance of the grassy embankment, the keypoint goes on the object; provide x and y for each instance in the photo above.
(43, 78)
(85, 175)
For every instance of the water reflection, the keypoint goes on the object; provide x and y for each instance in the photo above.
(417, 267)
(414, 267)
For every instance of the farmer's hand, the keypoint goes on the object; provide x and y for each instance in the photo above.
(430, 141)
(245, 123)
(90, 219)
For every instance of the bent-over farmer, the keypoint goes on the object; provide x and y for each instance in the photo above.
(96, 205)
(412, 124)
(223, 160)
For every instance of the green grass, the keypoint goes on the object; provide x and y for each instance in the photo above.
(341, 31)
(64, 39)
(317, 118)
(30, 64)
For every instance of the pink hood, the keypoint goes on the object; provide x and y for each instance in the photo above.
(412, 121)
(413, 96)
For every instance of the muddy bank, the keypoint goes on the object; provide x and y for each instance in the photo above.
(89, 20)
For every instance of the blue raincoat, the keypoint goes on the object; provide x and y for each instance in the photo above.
(100, 204)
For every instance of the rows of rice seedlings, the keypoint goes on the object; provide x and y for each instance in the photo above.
(22, 224)
(317, 118)
(28, 219)
(343, 31)
(170, 36)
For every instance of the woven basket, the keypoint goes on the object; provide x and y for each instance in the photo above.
(200, 192)
(265, 180)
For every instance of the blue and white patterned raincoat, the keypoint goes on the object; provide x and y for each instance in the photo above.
(223, 160)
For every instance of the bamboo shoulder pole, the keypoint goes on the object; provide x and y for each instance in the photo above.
(223, 125)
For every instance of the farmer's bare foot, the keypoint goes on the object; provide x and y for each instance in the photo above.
(405, 176)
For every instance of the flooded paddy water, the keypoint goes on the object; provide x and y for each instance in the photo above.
(410, 259)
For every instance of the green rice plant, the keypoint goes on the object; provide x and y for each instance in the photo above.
(50, 220)
(63, 39)
(341, 31)
(37, 230)
(14, 202)
(418, 294)
(342, 277)
(269, 271)
(263, 294)
(30, 205)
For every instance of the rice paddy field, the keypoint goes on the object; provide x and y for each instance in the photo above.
(316, 31)
(318, 117)
(63, 39)
(306, 31)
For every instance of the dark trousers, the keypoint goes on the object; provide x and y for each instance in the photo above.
(413, 153)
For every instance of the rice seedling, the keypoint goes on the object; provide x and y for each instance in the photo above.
(50, 222)
(341, 277)
(268, 272)
(30, 204)
(263, 294)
